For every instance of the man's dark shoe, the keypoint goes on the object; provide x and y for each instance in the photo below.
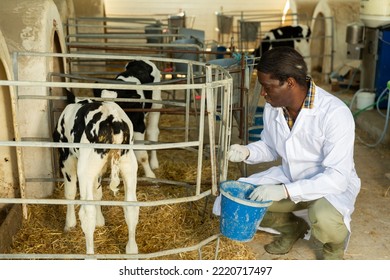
(284, 243)
(332, 251)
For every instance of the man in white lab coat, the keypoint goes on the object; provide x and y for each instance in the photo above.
(313, 133)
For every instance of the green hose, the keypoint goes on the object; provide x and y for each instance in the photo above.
(364, 109)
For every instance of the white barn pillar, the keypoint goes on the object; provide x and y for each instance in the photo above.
(34, 26)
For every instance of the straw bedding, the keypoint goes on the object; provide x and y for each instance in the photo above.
(159, 228)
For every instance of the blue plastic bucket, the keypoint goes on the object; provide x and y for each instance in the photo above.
(255, 130)
(254, 133)
(240, 217)
(221, 49)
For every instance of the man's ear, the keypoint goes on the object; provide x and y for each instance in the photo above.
(291, 82)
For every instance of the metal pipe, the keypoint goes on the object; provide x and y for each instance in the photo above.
(115, 256)
(209, 89)
(52, 201)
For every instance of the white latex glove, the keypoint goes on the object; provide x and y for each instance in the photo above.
(238, 153)
(269, 192)
(217, 206)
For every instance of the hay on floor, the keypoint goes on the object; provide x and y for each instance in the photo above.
(160, 227)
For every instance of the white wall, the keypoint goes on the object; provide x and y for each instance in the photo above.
(202, 10)
(343, 11)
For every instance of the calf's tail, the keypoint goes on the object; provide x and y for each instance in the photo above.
(115, 180)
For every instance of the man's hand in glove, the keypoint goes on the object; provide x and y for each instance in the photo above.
(238, 153)
(269, 192)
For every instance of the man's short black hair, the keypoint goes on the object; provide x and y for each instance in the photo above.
(282, 63)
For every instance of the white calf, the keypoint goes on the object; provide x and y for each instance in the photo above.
(141, 72)
(97, 122)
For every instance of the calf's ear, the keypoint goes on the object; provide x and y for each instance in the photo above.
(70, 98)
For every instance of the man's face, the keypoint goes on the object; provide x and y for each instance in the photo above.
(275, 94)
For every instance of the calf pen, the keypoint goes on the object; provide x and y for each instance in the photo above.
(150, 36)
(192, 192)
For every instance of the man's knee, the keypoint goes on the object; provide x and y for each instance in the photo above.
(327, 223)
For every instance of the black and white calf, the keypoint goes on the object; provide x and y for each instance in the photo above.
(97, 122)
(141, 72)
(279, 37)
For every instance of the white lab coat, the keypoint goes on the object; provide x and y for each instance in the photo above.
(317, 154)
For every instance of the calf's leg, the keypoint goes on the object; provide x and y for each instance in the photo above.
(97, 195)
(69, 172)
(152, 130)
(128, 166)
(88, 169)
(142, 156)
